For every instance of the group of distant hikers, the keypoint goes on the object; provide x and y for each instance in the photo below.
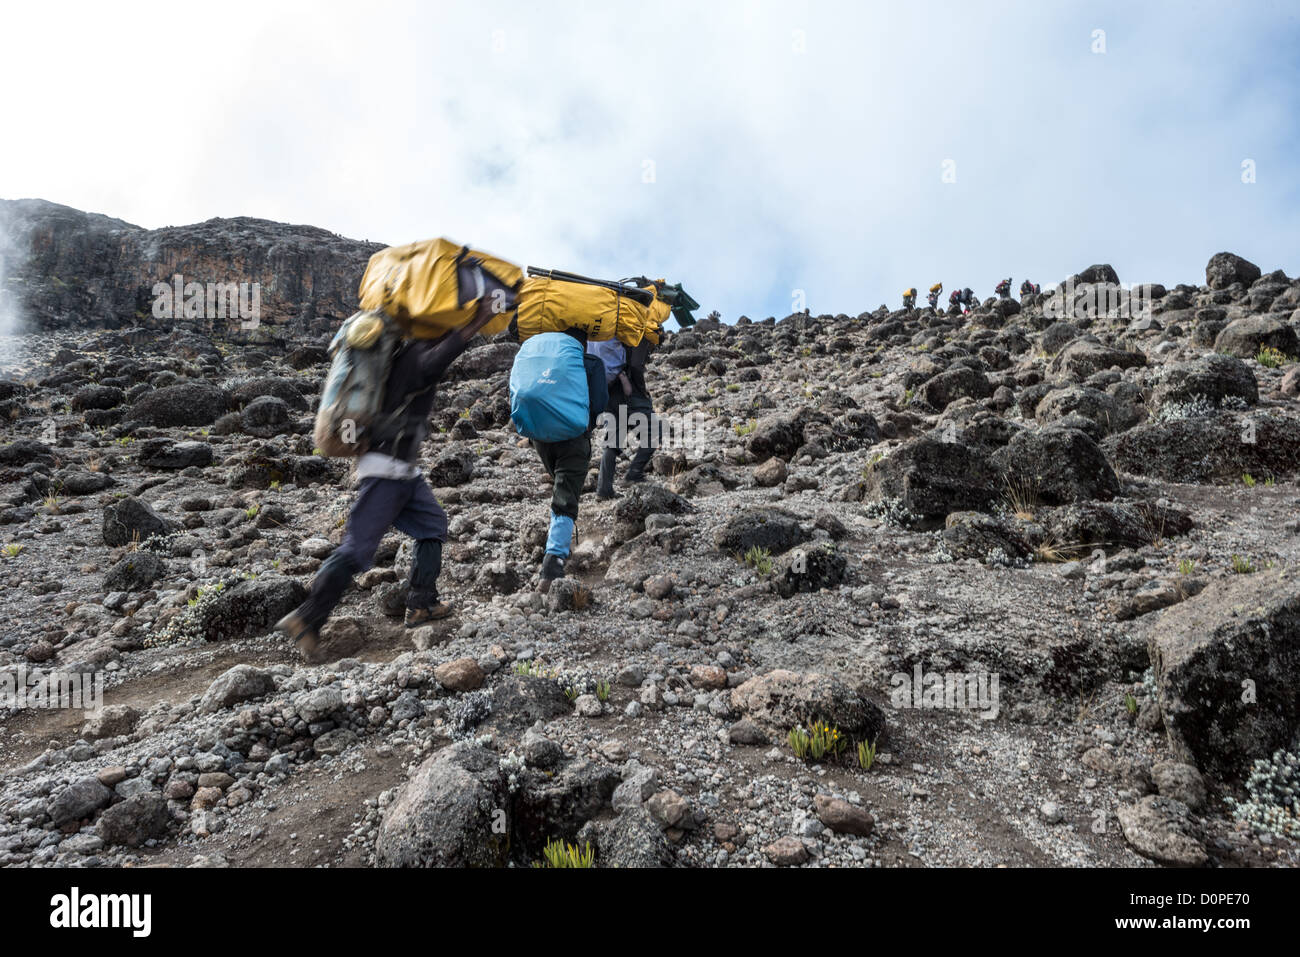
(564, 382)
(964, 299)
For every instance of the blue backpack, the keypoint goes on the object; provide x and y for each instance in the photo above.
(557, 391)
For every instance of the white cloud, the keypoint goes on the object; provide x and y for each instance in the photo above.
(525, 127)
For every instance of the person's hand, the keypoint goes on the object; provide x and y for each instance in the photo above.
(489, 307)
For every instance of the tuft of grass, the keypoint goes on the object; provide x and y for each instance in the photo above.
(1021, 498)
(1130, 704)
(1186, 566)
(759, 558)
(13, 550)
(866, 754)
(603, 689)
(560, 854)
(745, 428)
(1248, 480)
(817, 740)
(1241, 565)
(1271, 358)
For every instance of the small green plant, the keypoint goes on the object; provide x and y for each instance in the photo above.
(732, 387)
(251, 511)
(1186, 566)
(1270, 357)
(562, 854)
(744, 428)
(760, 559)
(571, 693)
(816, 741)
(13, 550)
(1248, 480)
(533, 669)
(275, 485)
(907, 397)
(866, 754)
(1242, 566)
(1130, 704)
(602, 690)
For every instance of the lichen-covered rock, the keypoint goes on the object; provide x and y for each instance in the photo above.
(1227, 664)
(453, 812)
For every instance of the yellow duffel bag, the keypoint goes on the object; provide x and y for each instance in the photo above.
(434, 286)
(553, 305)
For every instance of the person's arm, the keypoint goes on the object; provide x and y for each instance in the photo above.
(435, 361)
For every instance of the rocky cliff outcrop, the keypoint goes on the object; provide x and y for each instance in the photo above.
(67, 268)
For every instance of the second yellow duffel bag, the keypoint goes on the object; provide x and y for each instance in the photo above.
(434, 286)
(553, 305)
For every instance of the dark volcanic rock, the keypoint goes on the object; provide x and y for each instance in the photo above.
(931, 478)
(251, 607)
(1227, 664)
(135, 572)
(82, 268)
(266, 416)
(1246, 336)
(131, 520)
(1212, 379)
(444, 816)
(187, 403)
(1223, 447)
(136, 820)
(1224, 269)
(1056, 466)
(168, 455)
(769, 528)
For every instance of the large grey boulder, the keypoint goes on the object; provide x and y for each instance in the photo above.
(187, 403)
(1227, 665)
(454, 812)
(930, 479)
(131, 520)
(1224, 269)
(1056, 466)
(1244, 337)
(140, 818)
(780, 699)
(78, 800)
(1210, 380)
(240, 683)
(251, 607)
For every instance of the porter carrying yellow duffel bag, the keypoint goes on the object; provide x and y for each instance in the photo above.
(434, 286)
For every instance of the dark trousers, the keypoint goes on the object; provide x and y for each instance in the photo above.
(568, 462)
(405, 504)
(630, 413)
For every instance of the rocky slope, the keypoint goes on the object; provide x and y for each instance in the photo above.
(1099, 512)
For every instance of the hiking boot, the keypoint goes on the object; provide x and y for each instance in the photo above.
(415, 617)
(303, 635)
(634, 477)
(552, 568)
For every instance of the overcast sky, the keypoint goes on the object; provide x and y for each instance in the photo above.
(746, 149)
